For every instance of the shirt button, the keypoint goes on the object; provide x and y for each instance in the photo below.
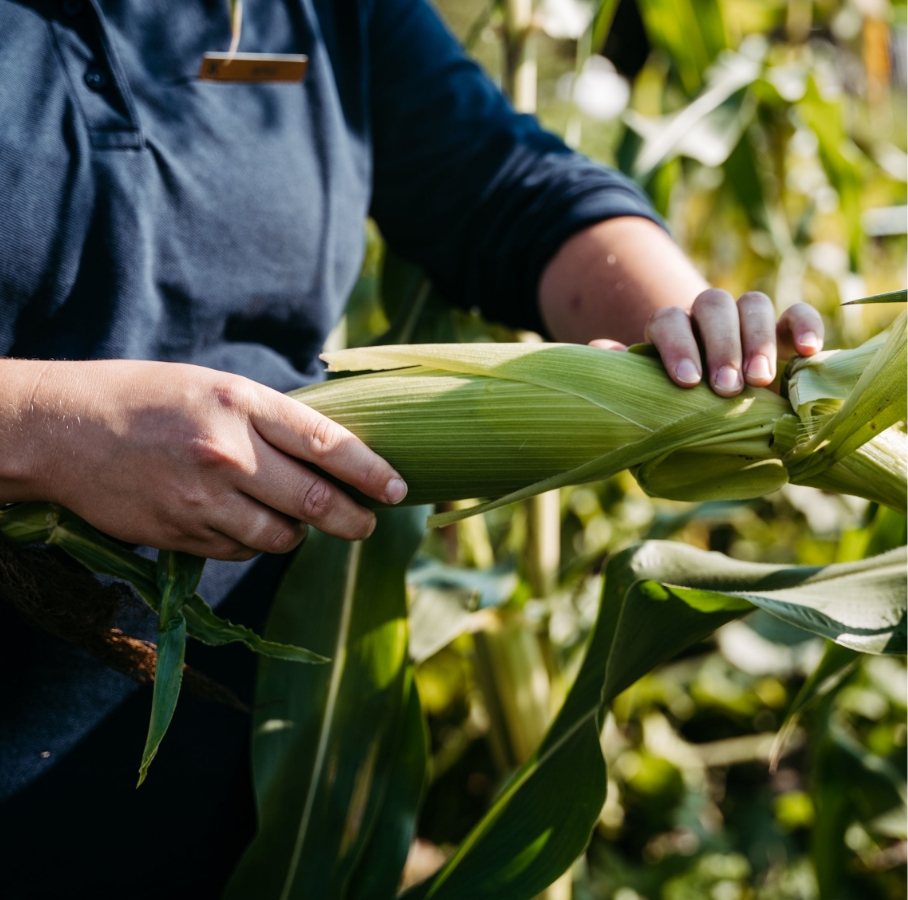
(72, 7)
(96, 78)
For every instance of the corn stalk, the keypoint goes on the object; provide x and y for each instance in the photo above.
(519, 51)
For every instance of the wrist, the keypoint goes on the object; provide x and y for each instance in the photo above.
(27, 451)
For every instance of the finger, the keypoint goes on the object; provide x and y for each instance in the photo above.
(607, 344)
(716, 316)
(220, 546)
(758, 337)
(206, 542)
(671, 332)
(800, 330)
(281, 483)
(301, 432)
(254, 526)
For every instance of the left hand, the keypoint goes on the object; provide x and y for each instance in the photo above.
(740, 340)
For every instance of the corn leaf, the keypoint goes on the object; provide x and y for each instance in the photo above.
(204, 625)
(658, 598)
(27, 523)
(101, 555)
(849, 783)
(888, 297)
(326, 737)
(378, 873)
(836, 665)
(843, 161)
(691, 33)
(708, 129)
(178, 576)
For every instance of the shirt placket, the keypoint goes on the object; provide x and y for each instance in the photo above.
(97, 76)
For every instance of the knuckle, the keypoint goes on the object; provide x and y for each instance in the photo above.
(189, 536)
(667, 315)
(238, 553)
(374, 472)
(192, 495)
(325, 437)
(366, 527)
(315, 500)
(754, 297)
(711, 300)
(753, 304)
(231, 393)
(281, 539)
(207, 451)
(804, 312)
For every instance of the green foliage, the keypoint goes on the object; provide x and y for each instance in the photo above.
(178, 576)
(336, 787)
(543, 818)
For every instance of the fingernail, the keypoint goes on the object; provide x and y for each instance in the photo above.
(759, 368)
(809, 339)
(395, 490)
(370, 529)
(686, 372)
(728, 379)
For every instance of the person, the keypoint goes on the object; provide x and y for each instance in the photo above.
(173, 253)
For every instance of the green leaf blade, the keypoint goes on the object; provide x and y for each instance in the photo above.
(325, 736)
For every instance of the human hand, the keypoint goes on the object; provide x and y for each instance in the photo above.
(740, 341)
(182, 457)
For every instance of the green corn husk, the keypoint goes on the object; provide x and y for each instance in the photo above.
(507, 421)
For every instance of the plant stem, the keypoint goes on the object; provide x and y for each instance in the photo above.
(519, 76)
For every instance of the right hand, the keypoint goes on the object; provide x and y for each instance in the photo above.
(181, 457)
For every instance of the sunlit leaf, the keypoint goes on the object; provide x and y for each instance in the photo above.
(841, 158)
(889, 297)
(707, 129)
(691, 33)
(326, 737)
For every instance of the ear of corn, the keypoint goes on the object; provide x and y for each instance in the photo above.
(507, 421)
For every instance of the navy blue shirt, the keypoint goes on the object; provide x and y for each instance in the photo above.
(149, 215)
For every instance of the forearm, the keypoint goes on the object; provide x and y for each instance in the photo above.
(607, 280)
(625, 280)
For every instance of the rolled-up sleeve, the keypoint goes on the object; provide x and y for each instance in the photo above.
(478, 195)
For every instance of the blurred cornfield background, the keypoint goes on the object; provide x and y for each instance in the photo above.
(772, 138)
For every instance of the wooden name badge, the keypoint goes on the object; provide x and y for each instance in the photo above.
(254, 67)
